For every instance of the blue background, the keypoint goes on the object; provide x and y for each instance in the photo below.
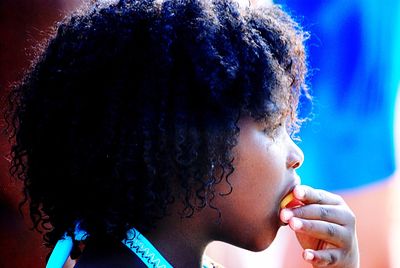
(355, 70)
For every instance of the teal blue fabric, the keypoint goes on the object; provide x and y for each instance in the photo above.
(355, 70)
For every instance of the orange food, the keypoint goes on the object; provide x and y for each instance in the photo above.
(290, 201)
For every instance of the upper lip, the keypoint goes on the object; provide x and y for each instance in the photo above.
(295, 180)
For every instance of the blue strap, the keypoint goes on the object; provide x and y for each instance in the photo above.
(63, 248)
(60, 252)
(142, 247)
(135, 241)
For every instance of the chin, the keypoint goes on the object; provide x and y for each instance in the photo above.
(259, 246)
(261, 243)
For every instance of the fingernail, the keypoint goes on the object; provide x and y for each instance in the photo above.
(287, 215)
(297, 224)
(308, 256)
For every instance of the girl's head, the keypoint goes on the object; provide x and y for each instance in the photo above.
(136, 106)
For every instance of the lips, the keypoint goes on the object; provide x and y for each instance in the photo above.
(289, 201)
(289, 192)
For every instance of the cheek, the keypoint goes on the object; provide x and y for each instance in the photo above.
(251, 209)
(258, 179)
(258, 174)
(260, 163)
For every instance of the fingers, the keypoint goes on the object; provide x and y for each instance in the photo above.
(325, 228)
(320, 205)
(309, 195)
(324, 217)
(330, 213)
(330, 258)
(334, 234)
(323, 258)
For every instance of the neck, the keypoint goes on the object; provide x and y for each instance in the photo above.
(181, 241)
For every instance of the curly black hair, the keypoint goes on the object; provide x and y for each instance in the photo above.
(129, 99)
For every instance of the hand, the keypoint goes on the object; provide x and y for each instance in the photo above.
(325, 228)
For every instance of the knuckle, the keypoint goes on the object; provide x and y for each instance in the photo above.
(320, 197)
(332, 259)
(299, 212)
(331, 230)
(323, 212)
(308, 225)
(328, 259)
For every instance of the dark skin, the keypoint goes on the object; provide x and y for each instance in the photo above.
(264, 168)
(106, 252)
(182, 241)
(325, 228)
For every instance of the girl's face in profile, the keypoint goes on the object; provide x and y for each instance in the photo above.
(264, 173)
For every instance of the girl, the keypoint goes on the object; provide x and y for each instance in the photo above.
(166, 125)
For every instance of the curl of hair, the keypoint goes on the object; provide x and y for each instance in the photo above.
(131, 98)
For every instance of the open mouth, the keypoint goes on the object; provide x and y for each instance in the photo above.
(289, 201)
(284, 198)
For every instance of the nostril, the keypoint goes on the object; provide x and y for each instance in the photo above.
(296, 165)
(293, 164)
(295, 157)
(294, 161)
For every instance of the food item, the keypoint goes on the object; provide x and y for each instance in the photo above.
(290, 201)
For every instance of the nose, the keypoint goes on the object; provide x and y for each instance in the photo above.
(295, 156)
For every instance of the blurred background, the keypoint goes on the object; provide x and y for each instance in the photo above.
(349, 143)
(24, 25)
(355, 72)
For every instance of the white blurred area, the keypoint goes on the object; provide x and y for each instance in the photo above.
(254, 3)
